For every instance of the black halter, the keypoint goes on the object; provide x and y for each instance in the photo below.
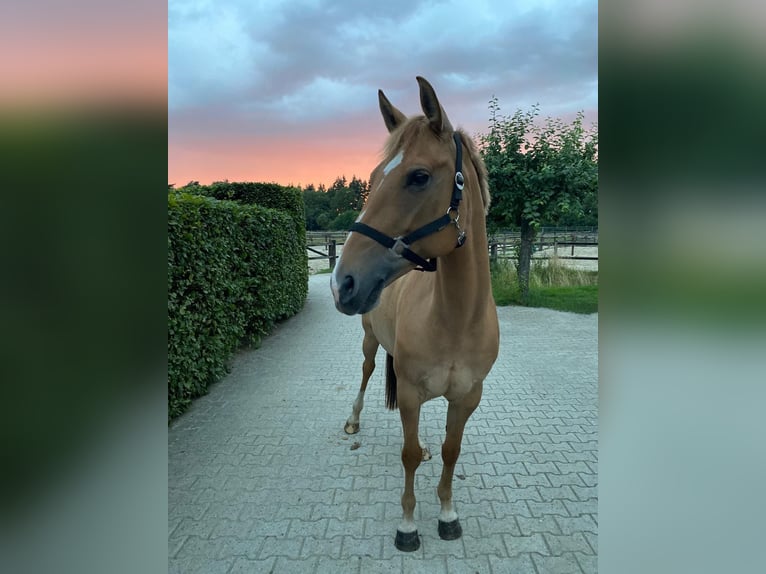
(401, 245)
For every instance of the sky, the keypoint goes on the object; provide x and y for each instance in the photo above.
(286, 90)
(82, 53)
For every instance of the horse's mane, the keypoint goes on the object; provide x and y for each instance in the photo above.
(413, 126)
(478, 165)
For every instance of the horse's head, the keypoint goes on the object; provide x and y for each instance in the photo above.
(411, 214)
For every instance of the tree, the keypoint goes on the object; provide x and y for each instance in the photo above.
(344, 220)
(316, 203)
(336, 207)
(360, 190)
(537, 174)
(341, 198)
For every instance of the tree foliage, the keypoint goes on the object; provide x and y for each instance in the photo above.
(335, 208)
(539, 175)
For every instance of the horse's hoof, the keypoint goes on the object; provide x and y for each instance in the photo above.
(407, 541)
(351, 428)
(450, 530)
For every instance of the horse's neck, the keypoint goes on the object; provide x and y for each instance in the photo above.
(463, 287)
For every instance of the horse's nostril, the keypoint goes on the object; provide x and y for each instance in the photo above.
(347, 286)
(346, 289)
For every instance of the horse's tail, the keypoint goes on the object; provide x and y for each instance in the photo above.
(390, 383)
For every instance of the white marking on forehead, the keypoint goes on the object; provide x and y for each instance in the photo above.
(393, 163)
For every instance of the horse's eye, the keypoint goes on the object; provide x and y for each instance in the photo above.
(418, 178)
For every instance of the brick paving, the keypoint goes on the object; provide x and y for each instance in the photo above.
(262, 478)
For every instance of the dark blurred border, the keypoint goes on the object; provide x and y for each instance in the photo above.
(683, 277)
(83, 290)
(83, 169)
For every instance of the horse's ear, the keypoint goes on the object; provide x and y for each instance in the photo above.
(393, 117)
(433, 110)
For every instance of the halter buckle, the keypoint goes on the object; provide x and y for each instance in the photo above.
(398, 247)
(459, 180)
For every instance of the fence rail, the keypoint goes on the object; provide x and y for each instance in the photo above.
(502, 245)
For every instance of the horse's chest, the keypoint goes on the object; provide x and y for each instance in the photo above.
(448, 377)
(440, 364)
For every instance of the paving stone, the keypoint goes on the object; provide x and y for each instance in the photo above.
(196, 546)
(196, 565)
(521, 564)
(588, 562)
(485, 545)
(560, 544)
(524, 480)
(337, 566)
(288, 547)
(573, 524)
(244, 565)
(571, 479)
(539, 509)
(378, 566)
(436, 565)
(478, 564)
(262, 478)
(525, 544)
(544, 523)
(368, 546)
(566, 564)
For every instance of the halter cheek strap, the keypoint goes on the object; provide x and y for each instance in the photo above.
(400, 246)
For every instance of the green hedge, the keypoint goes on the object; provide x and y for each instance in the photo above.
(275, 196)
(233, 271)
(289, 199)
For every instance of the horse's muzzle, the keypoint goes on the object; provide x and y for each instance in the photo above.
(353, 296)
(357, 291)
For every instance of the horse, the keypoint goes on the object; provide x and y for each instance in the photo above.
(415, 266)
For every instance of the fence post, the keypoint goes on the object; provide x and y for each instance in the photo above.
(331, 253)
(493, 252)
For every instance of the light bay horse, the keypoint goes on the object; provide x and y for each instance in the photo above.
(426, 212)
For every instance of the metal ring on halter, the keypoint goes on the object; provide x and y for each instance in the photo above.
(398, 247)
(455, 209)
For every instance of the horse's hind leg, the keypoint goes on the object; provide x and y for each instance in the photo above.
(457, 415)
(370, 349)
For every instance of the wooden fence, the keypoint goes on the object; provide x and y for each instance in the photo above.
(502, 245)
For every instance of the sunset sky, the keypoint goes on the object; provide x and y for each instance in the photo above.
(286, 90)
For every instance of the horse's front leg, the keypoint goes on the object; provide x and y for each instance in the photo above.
(407, 534)
(457, 415)
(369, 349)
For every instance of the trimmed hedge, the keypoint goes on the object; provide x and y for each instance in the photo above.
(275, 196)
(233, 271)
(289, 199)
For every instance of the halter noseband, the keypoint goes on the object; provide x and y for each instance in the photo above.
(400, 246)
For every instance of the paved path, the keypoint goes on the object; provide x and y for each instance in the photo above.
(262, 478)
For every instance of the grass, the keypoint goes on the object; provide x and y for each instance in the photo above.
(553, 286)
